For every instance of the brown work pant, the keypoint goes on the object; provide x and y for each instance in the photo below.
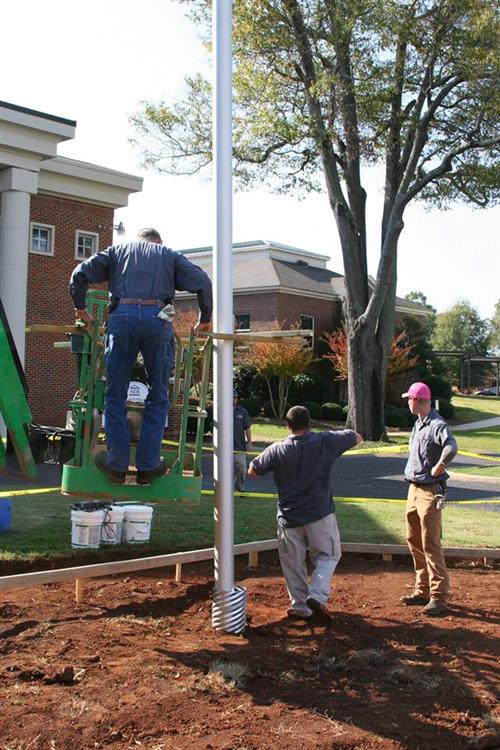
(423, 534)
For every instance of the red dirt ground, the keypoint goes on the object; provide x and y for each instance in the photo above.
(138, 665)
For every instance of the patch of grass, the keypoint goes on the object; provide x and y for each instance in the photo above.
(41, 528)
(481, 471)
(413, 676)
(473, 408)
(222, 677)
(485, 440)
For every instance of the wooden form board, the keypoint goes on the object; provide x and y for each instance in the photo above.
(25, 580)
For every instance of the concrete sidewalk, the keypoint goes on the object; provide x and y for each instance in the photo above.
(482, 423)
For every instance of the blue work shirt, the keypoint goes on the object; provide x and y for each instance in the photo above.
(142, 270)
(303, 472)
(241, 422)
(427, 440)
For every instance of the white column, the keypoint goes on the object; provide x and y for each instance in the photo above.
(16, 185)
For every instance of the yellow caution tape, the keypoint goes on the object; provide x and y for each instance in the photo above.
(38, 491)
(483, 456)
(272, 496)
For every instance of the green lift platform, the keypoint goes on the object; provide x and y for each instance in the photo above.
(14, 407)
(80, 476)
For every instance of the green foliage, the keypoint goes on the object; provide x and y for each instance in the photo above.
(252, 404)
(307, 387)
(314, 408)
(446, 409)
(247, 382)
(332, 411)
(461, 329)
(495, 327)
(322, 87)
(439, 387)
(395, 417)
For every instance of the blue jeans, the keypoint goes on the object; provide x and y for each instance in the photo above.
(133, 329)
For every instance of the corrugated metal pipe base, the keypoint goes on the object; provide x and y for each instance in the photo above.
(229, 610)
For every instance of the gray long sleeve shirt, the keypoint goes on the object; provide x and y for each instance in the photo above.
(142, 270)
(431, 442)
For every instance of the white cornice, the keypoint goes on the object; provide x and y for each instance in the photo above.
(90, 183)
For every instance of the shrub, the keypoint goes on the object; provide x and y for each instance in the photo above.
(307, 387)
(394, 417)
(243, 376)
(314, 408)
(268, 410)
(446, 409)
(439, 387)
(252, 404)
(332, 411)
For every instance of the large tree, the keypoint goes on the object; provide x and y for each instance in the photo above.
(323, 86)
(462, 329)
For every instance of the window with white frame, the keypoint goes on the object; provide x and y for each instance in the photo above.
(242, 322)
(42, 239)
(306, 323)
(86, 244)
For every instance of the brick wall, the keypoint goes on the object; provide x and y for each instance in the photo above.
(52, 373)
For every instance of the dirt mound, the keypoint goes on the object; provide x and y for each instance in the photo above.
(138, 665)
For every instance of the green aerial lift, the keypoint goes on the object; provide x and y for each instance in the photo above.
(80, 476)
(13, 403)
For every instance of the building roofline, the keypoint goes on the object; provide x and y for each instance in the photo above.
(257, 244)
(37, 113)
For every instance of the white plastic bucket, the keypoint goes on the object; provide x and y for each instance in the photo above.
(112, 526)
(86, 528)
(137, 523)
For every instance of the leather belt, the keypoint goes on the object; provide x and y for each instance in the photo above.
(137, 301)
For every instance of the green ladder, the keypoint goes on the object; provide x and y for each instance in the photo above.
(80, 476)
(13, 404)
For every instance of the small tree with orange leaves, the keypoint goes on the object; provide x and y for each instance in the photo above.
(280, 360)
(401, 357)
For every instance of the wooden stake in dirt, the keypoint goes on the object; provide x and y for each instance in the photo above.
(253, 559)
(78, 590)
(178, 572)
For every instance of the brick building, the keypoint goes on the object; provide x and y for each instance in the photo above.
(53, 212)
(274, 282)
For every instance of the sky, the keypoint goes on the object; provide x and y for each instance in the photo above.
(95, 62)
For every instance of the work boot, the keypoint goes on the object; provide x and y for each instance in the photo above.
(146, 476)
(294, 614)
(413, 599)
(115, 475)
(435, 608)
(323, 616)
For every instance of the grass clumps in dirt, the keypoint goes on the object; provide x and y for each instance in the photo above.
(413, 676)
(222, 677)
(361, 659)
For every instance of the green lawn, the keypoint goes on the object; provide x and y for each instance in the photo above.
(473, 408)
(482, 471)
(41, 528)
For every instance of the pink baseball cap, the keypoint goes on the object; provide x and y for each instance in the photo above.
(418, 390)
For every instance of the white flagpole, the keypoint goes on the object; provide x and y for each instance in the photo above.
(227, 612)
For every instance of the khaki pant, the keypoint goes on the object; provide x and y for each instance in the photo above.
(423, 534)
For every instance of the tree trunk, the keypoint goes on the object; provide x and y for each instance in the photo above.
(368, 353)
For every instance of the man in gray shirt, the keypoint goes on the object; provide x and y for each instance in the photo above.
(142, 277)
(432, 447)
(302, 466)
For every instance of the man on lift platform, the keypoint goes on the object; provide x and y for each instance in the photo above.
(142, 278)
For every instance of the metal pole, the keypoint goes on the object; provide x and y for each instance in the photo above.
(227, 612)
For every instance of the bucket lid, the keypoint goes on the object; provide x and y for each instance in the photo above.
(88, 506)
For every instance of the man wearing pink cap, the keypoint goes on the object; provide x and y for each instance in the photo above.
(432, 447)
